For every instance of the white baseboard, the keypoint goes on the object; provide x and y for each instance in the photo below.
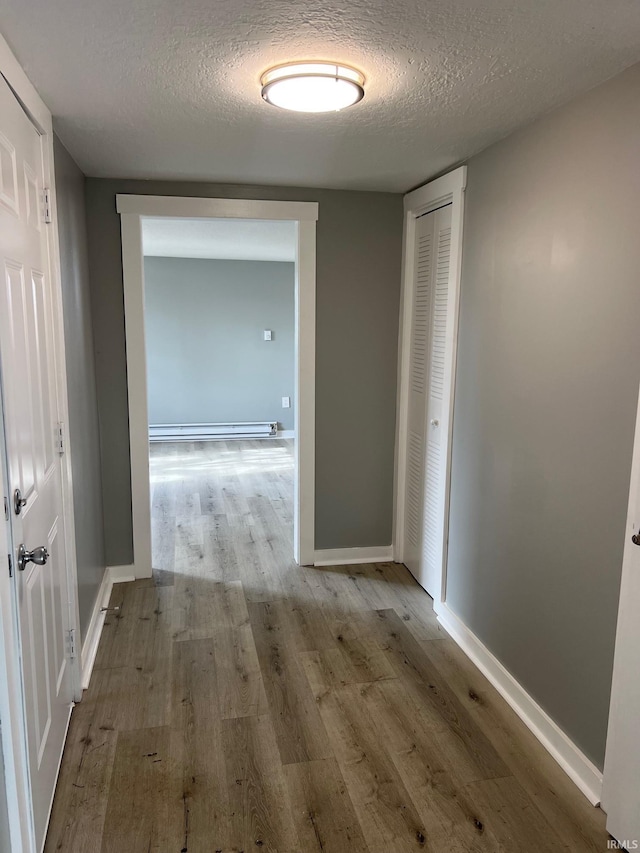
(122, 574)
(112, 574)
(352, 556)
(92, 638)
(574, 763)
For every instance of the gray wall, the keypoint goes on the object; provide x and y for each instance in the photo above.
(207, 360)
(83, 408)
(358, 288)
(547, 386)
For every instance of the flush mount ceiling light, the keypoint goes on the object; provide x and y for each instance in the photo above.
(312, 87)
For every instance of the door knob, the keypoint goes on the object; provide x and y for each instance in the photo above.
(636, 538)
(39, 556)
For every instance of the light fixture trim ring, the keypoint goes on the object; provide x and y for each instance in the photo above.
(297, 71)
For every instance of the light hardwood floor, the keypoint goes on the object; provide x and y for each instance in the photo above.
(241, 703)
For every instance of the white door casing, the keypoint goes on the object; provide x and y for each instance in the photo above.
(131, 209)
(427, 353)
(621, 781)
(30, 351)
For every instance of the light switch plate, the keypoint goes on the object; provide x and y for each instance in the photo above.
(286, 402)
(267, 334)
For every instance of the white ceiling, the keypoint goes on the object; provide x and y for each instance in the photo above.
(233, 239)
(170, 88)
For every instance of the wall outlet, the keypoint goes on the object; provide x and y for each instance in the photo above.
(267, 334)
(286, 402)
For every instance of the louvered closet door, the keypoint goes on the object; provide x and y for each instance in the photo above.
(426, 457)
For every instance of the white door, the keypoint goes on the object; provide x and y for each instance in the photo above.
(621, 784)
(427, 416)
(28, 362)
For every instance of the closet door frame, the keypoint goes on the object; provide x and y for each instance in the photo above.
(449, 189)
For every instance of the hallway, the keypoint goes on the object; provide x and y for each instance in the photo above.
(239, 702)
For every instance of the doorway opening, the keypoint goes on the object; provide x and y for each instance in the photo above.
(220, 350)
(298, 221)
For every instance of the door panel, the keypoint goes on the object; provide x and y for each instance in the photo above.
(621, 791)
(426, 471)
(418, 373)
(432, 548)
(27, 350)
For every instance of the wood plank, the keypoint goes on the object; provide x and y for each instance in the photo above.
(259, 816)
(332, 591)
(507, 813)
(163, 540)
(387, 815)
(432, 693)
(240, 687)
(197, 747)
(204, 604)
(137, 634)
(142, 815)
(405, 595)
(259, 581)
(301, 624)
(190, 545)
(80, 805)
(133, 693)
(219, 546)
(564, 807)
(353, 661)
(429, 768)
(322, 809)
(298, 727)
(128, 698)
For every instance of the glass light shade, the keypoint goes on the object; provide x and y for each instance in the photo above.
(312, 87)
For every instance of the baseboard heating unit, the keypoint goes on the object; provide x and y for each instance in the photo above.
(211, 432)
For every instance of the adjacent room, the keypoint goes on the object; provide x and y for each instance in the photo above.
(219, 319)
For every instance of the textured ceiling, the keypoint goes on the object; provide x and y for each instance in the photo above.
(170, 88)
(231, 239)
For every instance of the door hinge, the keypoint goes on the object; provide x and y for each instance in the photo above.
(10, 565)
(71, 643)
(60, 443)
(46, 205)
(6, 509)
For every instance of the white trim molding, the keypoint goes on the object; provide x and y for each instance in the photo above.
(122, 574)
(132, 209)
(448, 189)
(353, 556)
(94, 630)
(574, 763)
(286, 433)
(177, 207)
(133, 280)
(91, 641)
